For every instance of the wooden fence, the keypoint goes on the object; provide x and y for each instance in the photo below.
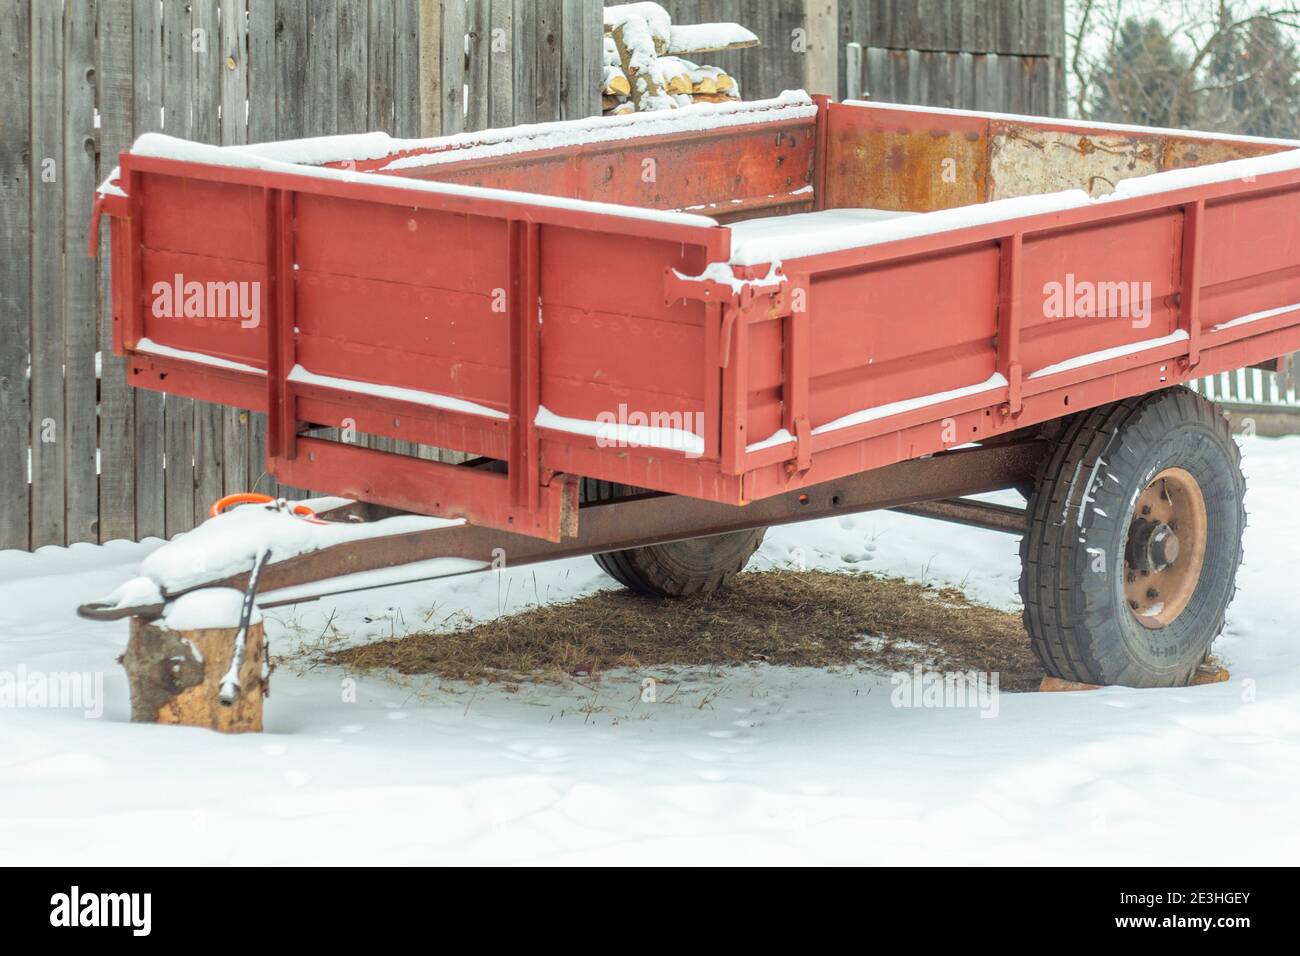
(82, 456)
(1008, 57)
(85, 458)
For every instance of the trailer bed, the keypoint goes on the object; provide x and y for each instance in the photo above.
(730, 304)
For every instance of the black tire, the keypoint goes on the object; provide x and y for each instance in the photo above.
(1077, 555)
(675, 570)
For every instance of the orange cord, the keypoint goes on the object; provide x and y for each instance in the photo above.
(254, 498)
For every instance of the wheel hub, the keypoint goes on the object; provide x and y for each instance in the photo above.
(1152, 545)
(1165, 550)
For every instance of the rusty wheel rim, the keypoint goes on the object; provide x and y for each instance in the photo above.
(1165, 551)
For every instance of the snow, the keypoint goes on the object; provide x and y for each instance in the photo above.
(394, 392)
(166, 351)
(771, 239)
(227, 544)
(781, 436)
(306, 156)
(110, 188)
(161, 146)
(1124, 128)
(487, 144)
(654, 16)
(994, 381)
(137, 592)
(207, 608)
(622, 434)
(1255, 317)
(703, 37)
(803, 225)
(1245, 170)
(1105, 355)
(723, 274)
(759, 764)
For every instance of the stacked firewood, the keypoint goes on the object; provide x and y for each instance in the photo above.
(645, 60)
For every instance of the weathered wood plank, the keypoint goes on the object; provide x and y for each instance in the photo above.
(262, 127)
(150, 427)
(593, 53)
(206, 84)
(177, 103)
(546, 57)
(478, 69)
(321, 74)
(116, 406)
(292, 88)
(352, 95)
(381, 64)
(80, 295)
(15, 273)
(233, 56)
(47, 216)
(501, 71)
(1023, 27)
(430, 67)
(406, 53)
(452, 84)
(524, 27)
(782, 67)
(574, 78)
(854, 27)
(822, 61)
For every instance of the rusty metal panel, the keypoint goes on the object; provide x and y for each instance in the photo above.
(889, 159)
(1178, 152)
(1028, 159)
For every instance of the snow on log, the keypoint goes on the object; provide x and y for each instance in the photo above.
(655, 17)
(636, 51)
(709, 37)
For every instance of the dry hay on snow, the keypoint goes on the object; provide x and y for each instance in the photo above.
(805, 619)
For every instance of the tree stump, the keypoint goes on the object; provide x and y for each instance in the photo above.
(175, 676)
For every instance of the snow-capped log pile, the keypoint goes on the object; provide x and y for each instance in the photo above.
(645, 60)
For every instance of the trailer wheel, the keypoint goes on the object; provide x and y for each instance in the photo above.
(674, 570)
(1133, 541)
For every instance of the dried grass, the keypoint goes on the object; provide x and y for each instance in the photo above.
(803, 619)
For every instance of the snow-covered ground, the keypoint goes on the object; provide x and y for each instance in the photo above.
(753, 765)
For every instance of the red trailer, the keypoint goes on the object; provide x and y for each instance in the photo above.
(658, 334)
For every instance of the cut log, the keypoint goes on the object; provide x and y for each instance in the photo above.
(706, 84)
(679, 84)
(616, 83)
(712, 98)
(637, 55)
(175, 676)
